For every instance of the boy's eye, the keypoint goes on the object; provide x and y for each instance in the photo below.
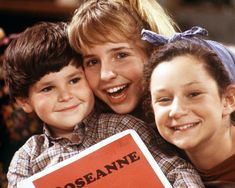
(89, 63)
(75, 80)
(122, 55)
(46, 89)
(194, 94)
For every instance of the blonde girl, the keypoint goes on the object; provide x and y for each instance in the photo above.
(107, 34)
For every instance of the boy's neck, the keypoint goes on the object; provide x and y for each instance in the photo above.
(73, 135)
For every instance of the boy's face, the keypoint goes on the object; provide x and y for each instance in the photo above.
(189, 112)
(61, 99)
(114, 72)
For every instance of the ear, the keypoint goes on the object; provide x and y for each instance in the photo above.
(24, 104)
(229, 100)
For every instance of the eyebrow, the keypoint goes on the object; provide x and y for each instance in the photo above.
(119, 48)
(192, 83)
(110, 50)
(184, 85)
(77, 72)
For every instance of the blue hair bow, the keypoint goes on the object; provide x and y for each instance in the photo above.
(158, 39)
(227, 56)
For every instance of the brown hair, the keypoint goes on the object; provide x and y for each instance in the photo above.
(207, 57)
(39, 50)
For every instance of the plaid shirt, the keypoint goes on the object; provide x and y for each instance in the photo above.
(42, 151)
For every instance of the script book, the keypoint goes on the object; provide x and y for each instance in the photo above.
(120, 161)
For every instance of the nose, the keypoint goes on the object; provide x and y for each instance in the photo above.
(107, 71)
(178, 108)
(64, 95)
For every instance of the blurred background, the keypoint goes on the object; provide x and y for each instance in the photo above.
(217, 16)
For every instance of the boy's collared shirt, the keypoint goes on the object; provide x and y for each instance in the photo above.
(42, 151)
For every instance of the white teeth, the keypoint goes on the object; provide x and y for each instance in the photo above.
(115, 89)
(117, 97)
(185, 126)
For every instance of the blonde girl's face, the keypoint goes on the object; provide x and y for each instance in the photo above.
(114, 72)
(189, 111)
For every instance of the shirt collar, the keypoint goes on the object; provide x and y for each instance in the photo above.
(78, 133)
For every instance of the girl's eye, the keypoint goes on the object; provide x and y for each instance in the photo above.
(75, 80)
(163, 100)
(89, 63)
(122, 55)
(46, 89)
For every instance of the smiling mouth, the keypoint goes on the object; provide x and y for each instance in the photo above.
(67, 108)
(185, 126)
(116, 91)
(117, 94)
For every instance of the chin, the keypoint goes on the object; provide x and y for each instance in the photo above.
(183, 145)
(123, 109)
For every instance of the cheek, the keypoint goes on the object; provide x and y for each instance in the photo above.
(138, 75)
(43, 106)
(132, 68)
(160, 116)
(93, 78)
(160, 122)
(88, 95)
(136, 71)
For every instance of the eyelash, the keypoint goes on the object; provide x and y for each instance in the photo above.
(194, 94)
(75, 80)
(46, 89)
(90, 63)
(167, 99)
(49, 88)
(163, 100)
(122, 55)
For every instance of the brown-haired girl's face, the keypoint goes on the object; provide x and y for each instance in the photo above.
(115, 72)
(186, 102)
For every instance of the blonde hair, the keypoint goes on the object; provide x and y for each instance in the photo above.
(100, 21)
(152, 13)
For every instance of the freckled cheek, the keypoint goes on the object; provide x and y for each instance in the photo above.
(137, 72)
(139, 75)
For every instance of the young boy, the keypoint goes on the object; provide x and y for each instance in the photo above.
(193, 99)
(45, 76)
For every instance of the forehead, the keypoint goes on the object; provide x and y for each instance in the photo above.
(109, 47)
(179, 64)
(179, 70)
(104, 46)
(65, 71)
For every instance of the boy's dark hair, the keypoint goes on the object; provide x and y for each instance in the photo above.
(39, 50)
(197, 49)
